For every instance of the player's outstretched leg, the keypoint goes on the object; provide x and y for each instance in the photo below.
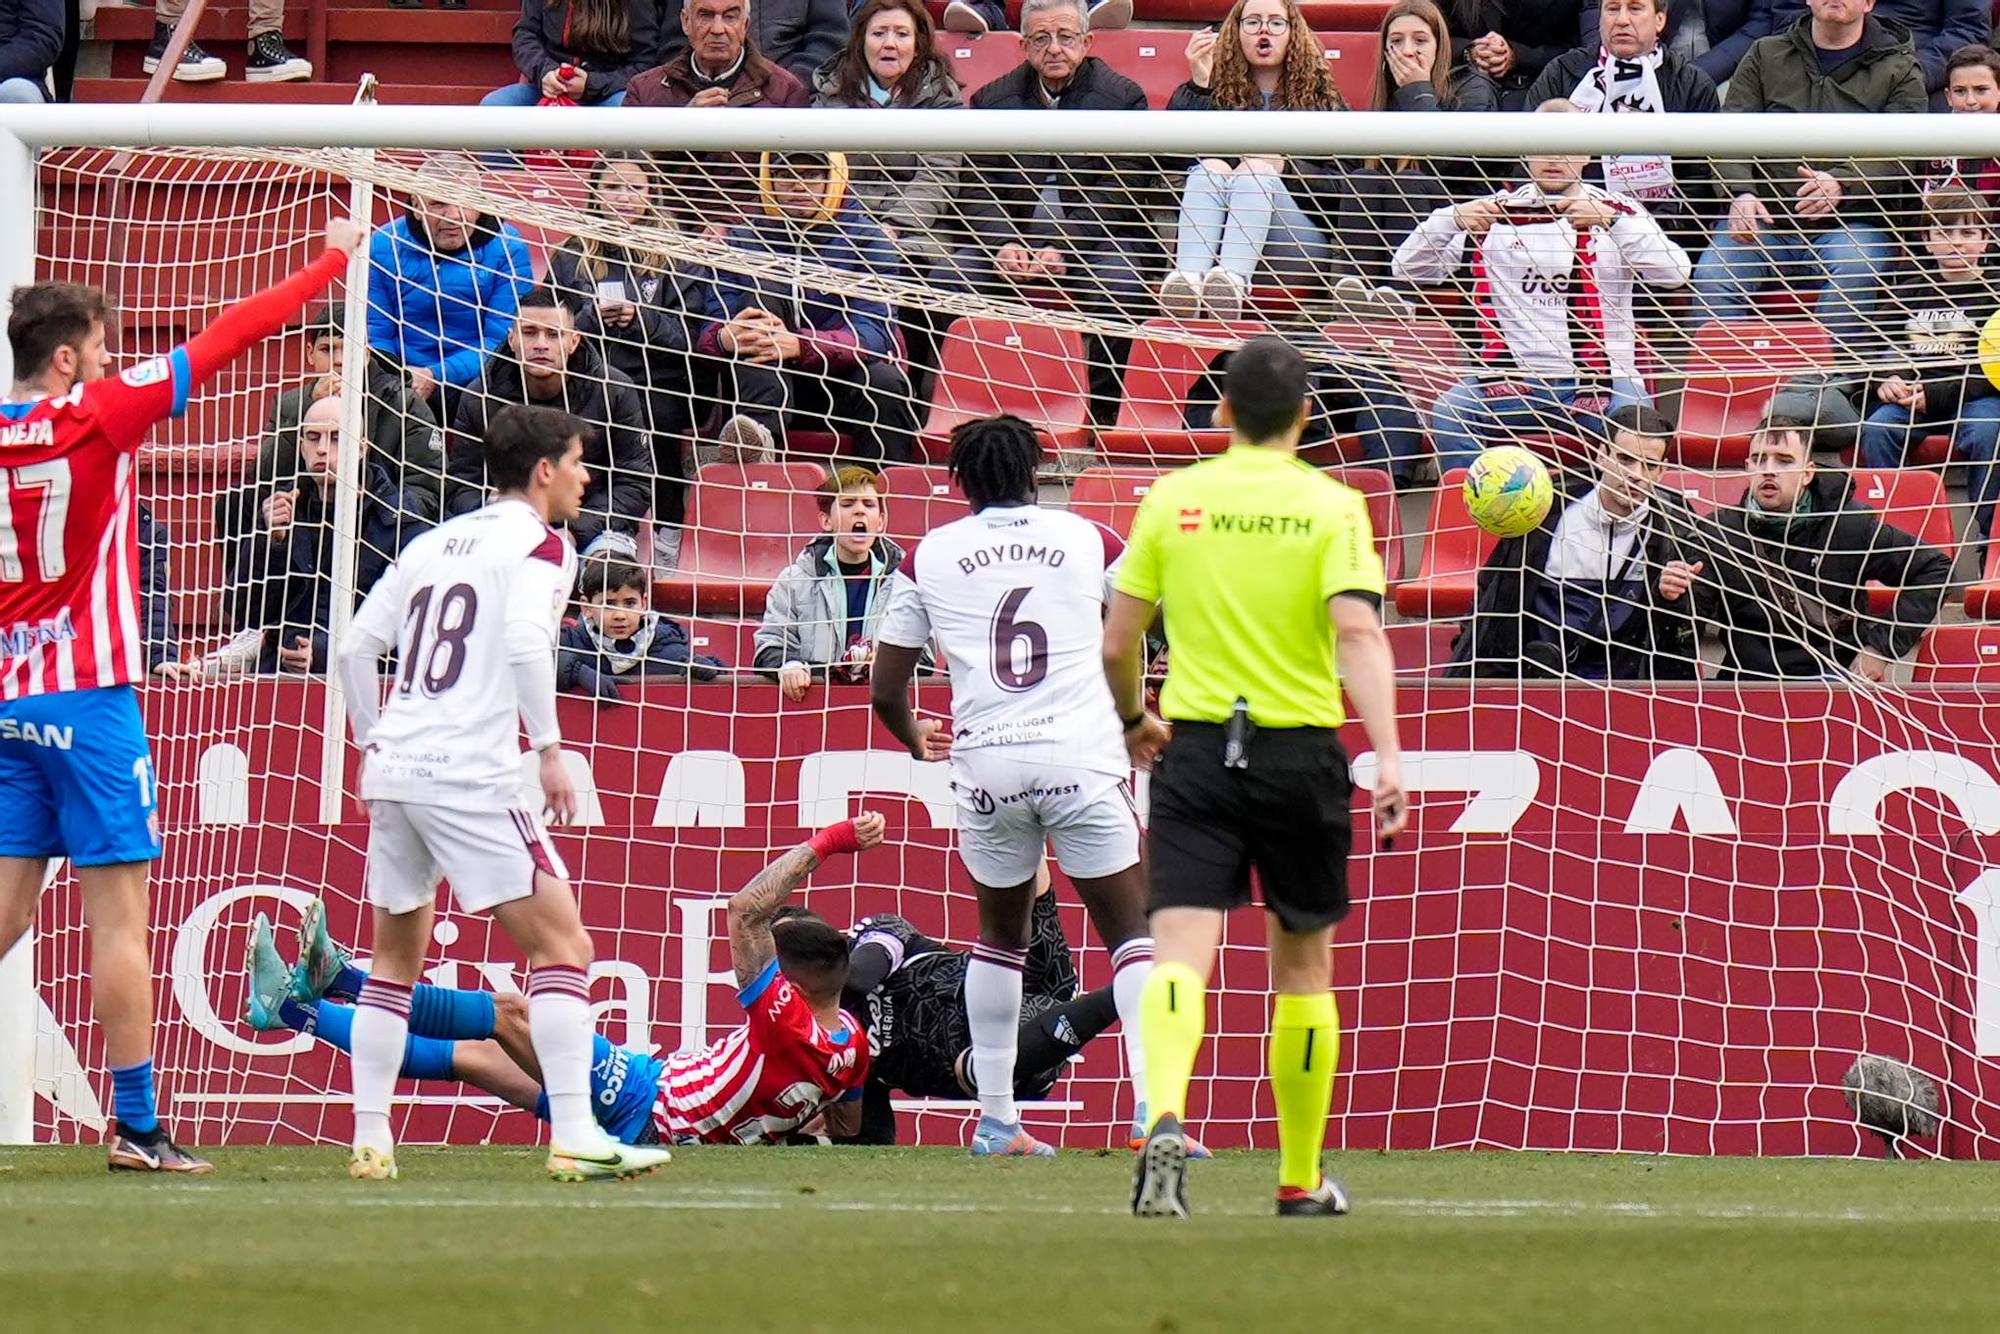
(324, 965)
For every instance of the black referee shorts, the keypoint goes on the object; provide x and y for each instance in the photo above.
(1286, 815)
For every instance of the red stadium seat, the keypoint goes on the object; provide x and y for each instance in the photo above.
(1153, 58)
(1733, 369)
(921, 497)
(1379, 490)
(1322, 15)
(181, 488)
(1353, 55)
(1421, 648)
(978, 61)
(745, 523)
(1913, 500)
(1706, 491)
(1959, 655)
(1111, 496)
(1159, 379)
(1448, 577)
(1035, 371)
(732, 641)
(1982, 600)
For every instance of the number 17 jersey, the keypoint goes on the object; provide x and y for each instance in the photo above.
(1014, 597)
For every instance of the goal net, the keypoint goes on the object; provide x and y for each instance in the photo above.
(1703, 789)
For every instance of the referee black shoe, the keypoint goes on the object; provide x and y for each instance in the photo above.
(1328, 1201)
(1159, 1183)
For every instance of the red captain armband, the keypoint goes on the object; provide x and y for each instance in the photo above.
(835, 838)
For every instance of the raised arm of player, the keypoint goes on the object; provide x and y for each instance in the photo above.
(752, 908)
(131, 404)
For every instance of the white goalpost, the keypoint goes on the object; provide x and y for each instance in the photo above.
(1662, 912)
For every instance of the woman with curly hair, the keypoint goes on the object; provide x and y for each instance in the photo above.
(1263, 211)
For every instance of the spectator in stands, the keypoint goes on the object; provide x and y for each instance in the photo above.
(1972, 88)
(1819, 222)
(283, 570)
(797, 36)
(723, 68)
(799, 352)
(1626, 68)
(603, 43)
(1938, 386)
(1784, 575)
(1577, 596)
(31, 39)
(974, 17)
(1382, 199)
(1046, 220)
(1261, 213)
(637, 305)
(267, 61)
(620, 638)
(822, 613)
(891, 60)
(405, 436)
(443, 283)
(1509, 42)
(1936, 29)
(549, 364)
(1560, 262)
(163, 654)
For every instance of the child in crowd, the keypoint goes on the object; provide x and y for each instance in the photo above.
(620, 638)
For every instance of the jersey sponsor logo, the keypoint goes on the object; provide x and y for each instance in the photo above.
(781, 996)
(24, 639)
(151, 371)
(1037, 790)
(612, 1072)
(26, 435)
(1262, 525)
(1012, 553)
(841, 1062)
(44, 734)
(1190, 520)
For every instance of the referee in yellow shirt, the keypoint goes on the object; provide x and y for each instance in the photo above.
(1273, 589)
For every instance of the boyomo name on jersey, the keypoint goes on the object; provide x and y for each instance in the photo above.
(1011, 553)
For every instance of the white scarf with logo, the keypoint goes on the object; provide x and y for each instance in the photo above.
(1618, 85)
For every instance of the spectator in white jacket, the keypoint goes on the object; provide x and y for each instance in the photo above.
(1554, 264)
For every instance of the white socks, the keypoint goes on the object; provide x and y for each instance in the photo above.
(381, 1028)
(993, 1014)
(559, 1025)
(1131, 963)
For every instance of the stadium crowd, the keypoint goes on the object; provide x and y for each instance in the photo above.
(1586, 278)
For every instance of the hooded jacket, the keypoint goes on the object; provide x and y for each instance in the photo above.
(542, 44)
(836, 330)
(1656, 641)
(444, 313)
(805, 616)
(1790, 591)
(1783, 74)
(910, 193)
(1103, 205)
(616, 451)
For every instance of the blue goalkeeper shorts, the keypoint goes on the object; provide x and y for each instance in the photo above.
(624, 1085)
(76, 778)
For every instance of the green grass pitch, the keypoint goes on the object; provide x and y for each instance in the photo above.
(801, 1240)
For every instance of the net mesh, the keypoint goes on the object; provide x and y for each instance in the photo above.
(1662, 911)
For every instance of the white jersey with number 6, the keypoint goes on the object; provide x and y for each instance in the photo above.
(1015, 598)
(460, 604)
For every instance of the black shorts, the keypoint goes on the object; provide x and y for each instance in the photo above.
(1286, 815)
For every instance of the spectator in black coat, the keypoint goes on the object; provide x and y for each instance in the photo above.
(163, 655)
(1577, 596)
(282, 588)
(602, 42)
(797, 35)
(619, 638)
(548, 364)
(636, 303)
(1510, 42)
(1055, 219)
(31, 40)
(1785, 574)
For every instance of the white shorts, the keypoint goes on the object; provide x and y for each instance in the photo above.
(490, 857)
(1009, 804)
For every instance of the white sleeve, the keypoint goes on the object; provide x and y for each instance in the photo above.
(1432, 252)
(370, 634)
(535, 688)
(1654, 258)
(535, 601)
(905, 622)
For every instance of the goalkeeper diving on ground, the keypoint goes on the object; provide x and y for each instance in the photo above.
(901, 989)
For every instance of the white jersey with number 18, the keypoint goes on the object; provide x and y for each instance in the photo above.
(1015, 598)
(450, 734)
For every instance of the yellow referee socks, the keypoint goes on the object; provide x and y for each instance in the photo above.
(1305, 1047)
(1172, 1010)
